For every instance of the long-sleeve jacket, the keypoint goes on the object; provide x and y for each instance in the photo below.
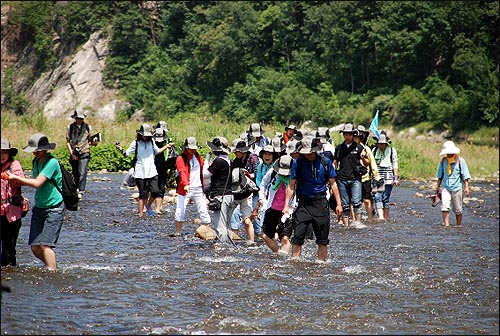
(11, 189)
(182, 163)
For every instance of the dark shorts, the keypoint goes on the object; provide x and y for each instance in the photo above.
(366, 190)
(271, 220)
(146, 186)
(314, 213)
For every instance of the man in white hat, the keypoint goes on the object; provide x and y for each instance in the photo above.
(190, 185)
(453, 181)
(347, 160)
(78, 140)
(308, 180)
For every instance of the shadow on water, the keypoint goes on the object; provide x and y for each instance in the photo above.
(120, 274)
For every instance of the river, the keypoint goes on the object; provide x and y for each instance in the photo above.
(120, 274)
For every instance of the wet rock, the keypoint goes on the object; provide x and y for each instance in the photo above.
(205, 232)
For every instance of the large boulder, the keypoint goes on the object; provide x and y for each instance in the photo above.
(77, 82)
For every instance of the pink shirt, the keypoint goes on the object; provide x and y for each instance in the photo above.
(11, 189)
(279, 198)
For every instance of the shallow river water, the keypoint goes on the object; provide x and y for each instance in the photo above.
(120, 274)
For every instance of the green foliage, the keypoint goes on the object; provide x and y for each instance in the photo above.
(35, 19)
(109, 158)
(271, 61)
(409, 107)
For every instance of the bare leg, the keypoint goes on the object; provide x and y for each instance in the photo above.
(322, 252)
(446, 218)
(178, 227)
(368, 208)
(358, 216)
(159, 205)
(271, 243)
(249, 229)
(46, 254)
(386, 213)
(459, 220)
(150, 201)
(380, 213)
(345, 220)
(296, 250)
(140, 205)
(285, 244)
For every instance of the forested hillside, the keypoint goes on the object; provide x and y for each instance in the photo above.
(433, 64)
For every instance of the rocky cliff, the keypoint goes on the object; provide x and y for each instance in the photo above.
(76, 82)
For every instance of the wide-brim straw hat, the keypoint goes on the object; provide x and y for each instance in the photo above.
(145, 130)
(309, 145)
(449, 148)
(39, 142)
(6, 146)
(78, 113)
(219, 144)
(283, 165)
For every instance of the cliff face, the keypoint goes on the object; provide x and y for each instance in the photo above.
(76, 82)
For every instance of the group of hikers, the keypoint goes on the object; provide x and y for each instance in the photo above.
(280, 190)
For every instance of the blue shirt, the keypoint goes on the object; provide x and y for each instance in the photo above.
(454, 181)
(312, 180)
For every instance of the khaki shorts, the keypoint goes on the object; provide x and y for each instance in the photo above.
(452, 200)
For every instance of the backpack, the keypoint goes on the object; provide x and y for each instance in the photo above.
(241, 185)
(69, 190)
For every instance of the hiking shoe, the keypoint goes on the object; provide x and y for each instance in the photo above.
(150, 213)
(175, 234)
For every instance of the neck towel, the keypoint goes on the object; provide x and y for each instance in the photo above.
(451, 160)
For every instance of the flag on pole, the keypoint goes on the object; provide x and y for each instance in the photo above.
(374, 125)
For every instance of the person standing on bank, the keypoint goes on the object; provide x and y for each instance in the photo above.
(78, 141)
(48, 213)
(191, 185)
(453, 181)
(308, 179)
(146, 176)
(386, 158)
(11, 204)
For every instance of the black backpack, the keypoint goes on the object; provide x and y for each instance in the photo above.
(69, 190)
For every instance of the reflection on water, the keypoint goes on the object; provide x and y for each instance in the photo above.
(120, 274)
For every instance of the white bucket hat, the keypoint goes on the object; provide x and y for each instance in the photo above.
(449, 148)
(191, 143)
(145, 130)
